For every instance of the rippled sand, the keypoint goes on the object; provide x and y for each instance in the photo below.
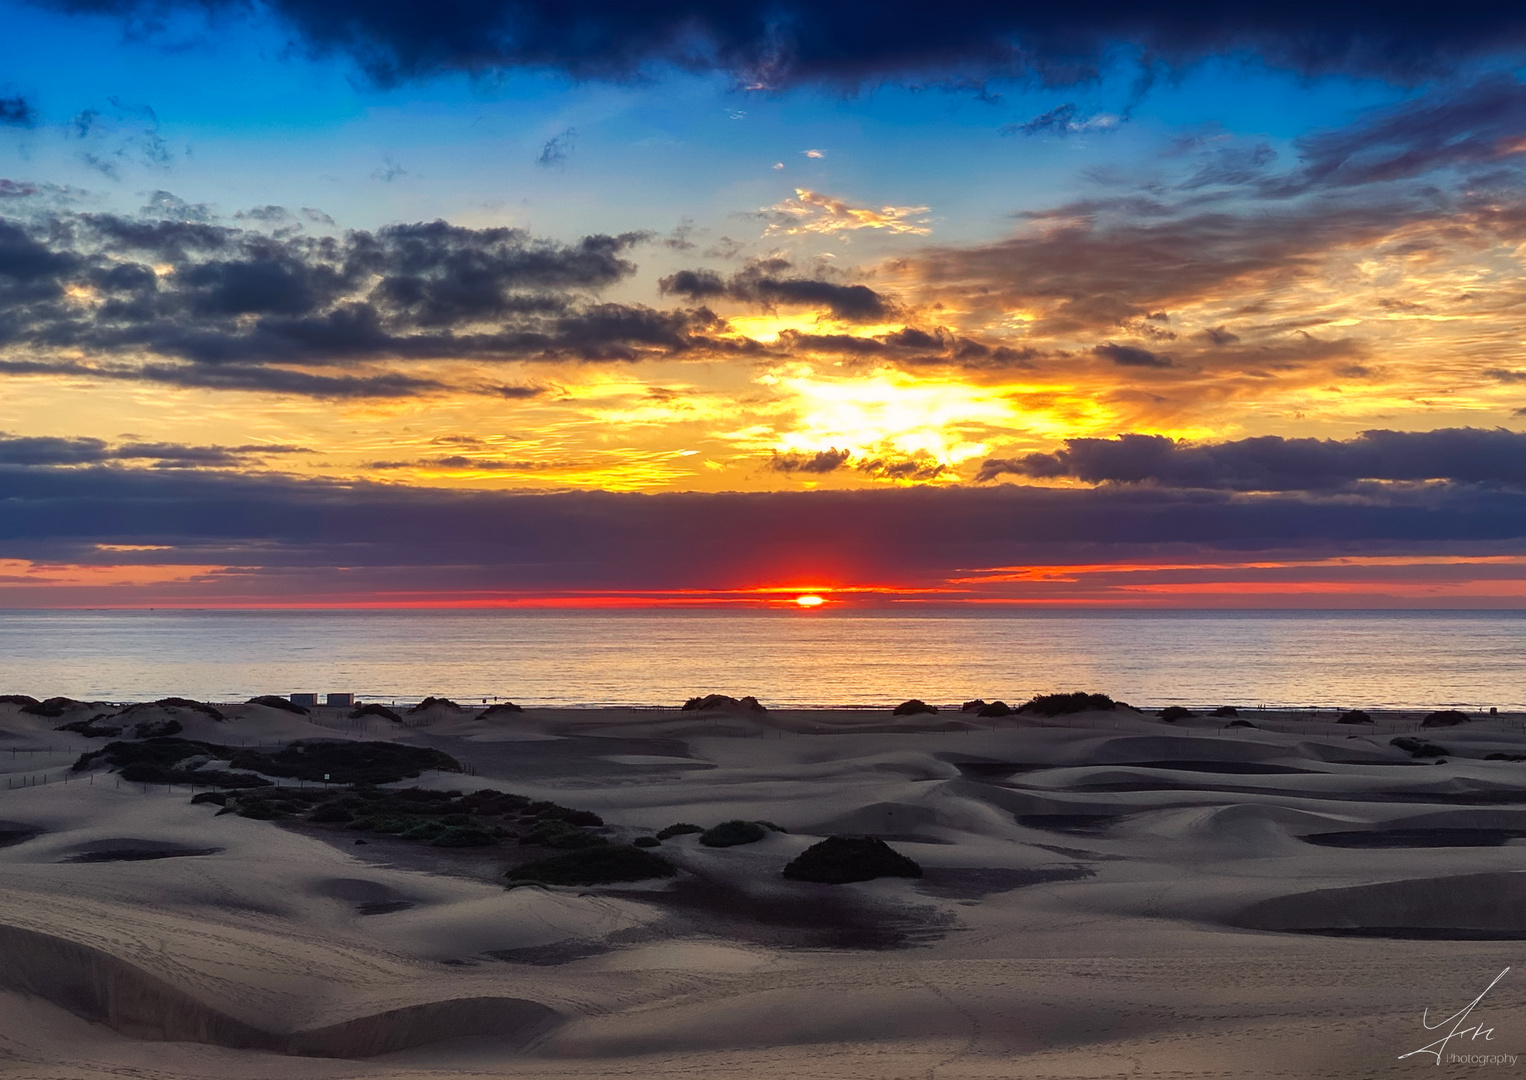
(1104, 895)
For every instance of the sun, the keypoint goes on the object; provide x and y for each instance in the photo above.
(810, 600)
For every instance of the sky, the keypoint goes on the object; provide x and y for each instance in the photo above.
(596, 303)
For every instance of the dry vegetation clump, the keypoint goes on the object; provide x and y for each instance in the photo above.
(165, 760)
(913, 707)
(1445, 718)
(1354, 716)
(733, 834)
(52, 708)
(432, 702)
(681, 828)
(92, 728)
(345, 762)
(838, 860)
(209, 711)
(1172, 713)
(1225, 710)
(1065, 704)
(1419, 747)
(722, 701)
(606, 865)
(425, 815)
(500, 709)
(995, 708)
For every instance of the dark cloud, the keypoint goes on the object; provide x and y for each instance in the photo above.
(1090, 266)
(1481, 123)
(216, 306)
(1275, 463)
(385, 536)
(778, 43)
(769, 284)
(832, 460)
(17, 111)
(822, 461)
(482, 464)
(557, 150)
(52, 452)
(1132, 356)
(1057, 121)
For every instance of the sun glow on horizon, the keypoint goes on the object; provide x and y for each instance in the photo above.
(810, 600)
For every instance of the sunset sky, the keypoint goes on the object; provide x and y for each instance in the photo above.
(331, 302)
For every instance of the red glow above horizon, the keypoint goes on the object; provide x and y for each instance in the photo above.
(1372, 581)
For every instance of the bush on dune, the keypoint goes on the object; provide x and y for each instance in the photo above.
(1065, 704)
(209, 711)
(561, 835)
(1225, 710)
(733, 833)
(1354, 716)
(382, 711)
(92, 728)
(1419, 747)
(995, 708)
(912, 707)
(1172, 713)
(52, 708)
(434, 702)
(722, 701)
(18, 699)
(839, 860)
(607, 865)
(1444, 718)
(501, 709)
(682, 828)
(345, 762)
(272, 701)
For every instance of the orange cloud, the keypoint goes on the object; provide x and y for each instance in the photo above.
(812, 212)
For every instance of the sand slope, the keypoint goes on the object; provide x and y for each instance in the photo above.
(1103, 895)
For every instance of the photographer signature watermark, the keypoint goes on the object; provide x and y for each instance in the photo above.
(1439, 1048)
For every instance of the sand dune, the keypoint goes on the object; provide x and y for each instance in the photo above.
(1101, 894)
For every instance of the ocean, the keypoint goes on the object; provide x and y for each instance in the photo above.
(787, 659)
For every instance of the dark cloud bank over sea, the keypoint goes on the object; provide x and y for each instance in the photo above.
(353, 539)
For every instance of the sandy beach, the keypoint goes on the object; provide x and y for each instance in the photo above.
(1102, 894)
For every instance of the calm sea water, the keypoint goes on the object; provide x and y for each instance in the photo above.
(1344, 659)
